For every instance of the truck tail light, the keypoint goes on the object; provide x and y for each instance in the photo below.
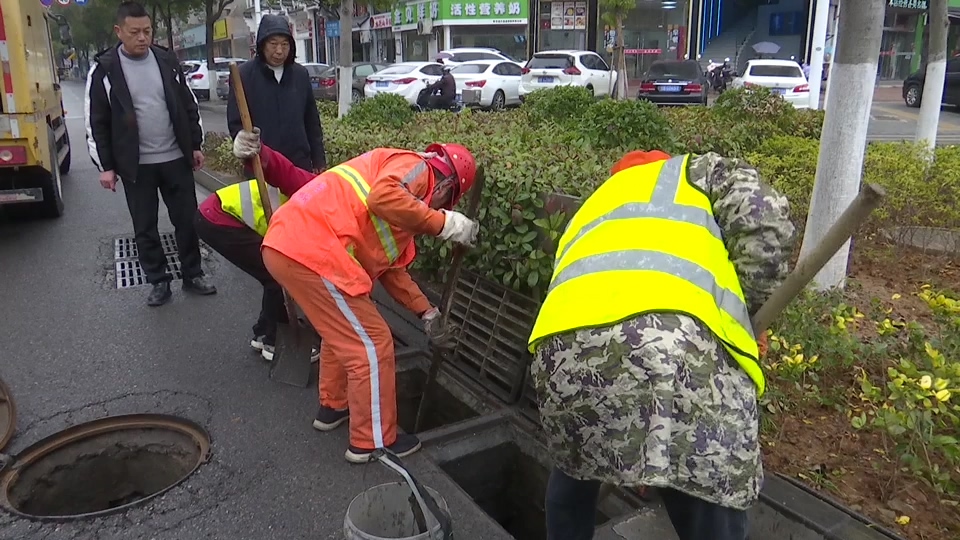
(13, 155)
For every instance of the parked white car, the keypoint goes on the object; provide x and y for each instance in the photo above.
(459, 55)
(490, 85)
(222, 68)
(549, 69)
(406, 79)
(198, 78)
(783, 77)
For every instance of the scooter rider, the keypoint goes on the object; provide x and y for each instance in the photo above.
(447, 87)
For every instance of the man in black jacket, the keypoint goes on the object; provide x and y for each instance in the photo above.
(280, 98)
(143, 128)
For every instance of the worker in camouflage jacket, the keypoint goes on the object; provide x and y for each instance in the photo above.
(645, 362)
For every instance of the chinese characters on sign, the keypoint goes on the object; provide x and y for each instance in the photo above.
(908, 4)
(413, 13)
(486, 9)
(568, 15)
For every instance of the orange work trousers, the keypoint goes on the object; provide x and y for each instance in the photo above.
(357, 364)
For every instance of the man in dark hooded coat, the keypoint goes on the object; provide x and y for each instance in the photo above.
(280, 98)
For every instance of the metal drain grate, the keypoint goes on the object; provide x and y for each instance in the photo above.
(127, 268)
(493, 325)
(126, 248)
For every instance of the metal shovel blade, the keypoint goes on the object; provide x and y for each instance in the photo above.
(291, 359)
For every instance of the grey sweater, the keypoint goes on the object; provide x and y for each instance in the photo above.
(158, 143)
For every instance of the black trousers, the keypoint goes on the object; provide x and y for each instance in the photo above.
(174, 182)
(241, 246)
(572, 504)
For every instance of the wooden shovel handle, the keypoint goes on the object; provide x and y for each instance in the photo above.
(237, 84)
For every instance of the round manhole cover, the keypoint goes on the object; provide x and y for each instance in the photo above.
(103, 466)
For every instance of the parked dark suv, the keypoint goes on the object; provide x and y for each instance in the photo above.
(913, 85)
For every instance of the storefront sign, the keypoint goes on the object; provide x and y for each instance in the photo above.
(194, 37)
(920, 5)
(303, 27)
(382, 20)
(495, 12)
(220, 30)
(640, 52)
(412, 13)
(333, 29)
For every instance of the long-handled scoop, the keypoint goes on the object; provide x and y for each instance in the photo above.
(446, 301)
(291, 358)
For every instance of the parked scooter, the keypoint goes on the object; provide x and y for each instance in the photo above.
(720, 75)
(423, 103)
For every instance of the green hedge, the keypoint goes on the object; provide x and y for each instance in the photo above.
(563, 142)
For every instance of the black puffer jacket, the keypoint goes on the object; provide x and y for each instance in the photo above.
(285, 111)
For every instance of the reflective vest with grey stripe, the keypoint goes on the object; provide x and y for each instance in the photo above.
(646, 242)
(242, 201)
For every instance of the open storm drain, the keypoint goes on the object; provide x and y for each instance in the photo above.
(103, 466)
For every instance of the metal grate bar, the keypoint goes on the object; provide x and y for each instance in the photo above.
(126, 247)
(130, 273)
(492, 324)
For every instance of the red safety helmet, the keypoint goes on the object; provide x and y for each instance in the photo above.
(455, 159)
(638, 157)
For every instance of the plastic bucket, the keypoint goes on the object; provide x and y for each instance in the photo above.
(385, 512)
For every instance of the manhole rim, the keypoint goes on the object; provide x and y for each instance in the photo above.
(36, 451)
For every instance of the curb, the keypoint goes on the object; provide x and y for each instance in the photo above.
(212, 180)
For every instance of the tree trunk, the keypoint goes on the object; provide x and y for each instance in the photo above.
(621, 61)
(938, 25)
(821, 18)
(168, 18)
(853, 73)
(345, 71)
(153, 17)
(208, 20)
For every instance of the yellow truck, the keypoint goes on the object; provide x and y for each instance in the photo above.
(34, 144)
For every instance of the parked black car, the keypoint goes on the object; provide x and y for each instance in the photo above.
(913, 85)
(674, 82)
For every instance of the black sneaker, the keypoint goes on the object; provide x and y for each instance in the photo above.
(160, 294)
(199, 285)
(329, 419)
(404, 446)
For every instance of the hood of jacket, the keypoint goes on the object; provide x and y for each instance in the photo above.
(275, 25)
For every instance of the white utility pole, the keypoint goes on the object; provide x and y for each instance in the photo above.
(938, 24)
(345, 71)
(853, 75)
(257, 12)
(820, 19)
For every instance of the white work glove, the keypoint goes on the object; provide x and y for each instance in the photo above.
(439, 336)
(459, 228)
(247, 144)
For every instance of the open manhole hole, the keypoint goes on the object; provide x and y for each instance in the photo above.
(102, 467)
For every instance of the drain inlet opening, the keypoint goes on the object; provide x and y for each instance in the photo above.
(510, 486)
(444, 408)
(102, 472)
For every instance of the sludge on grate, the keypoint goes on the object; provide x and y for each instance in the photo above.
(493, 324)
(130, 274)
(126, 248)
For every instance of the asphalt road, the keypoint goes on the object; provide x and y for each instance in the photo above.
(76, 348)
(889, 121)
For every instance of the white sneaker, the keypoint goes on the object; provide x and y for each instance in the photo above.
(268, 350)
(257, 343)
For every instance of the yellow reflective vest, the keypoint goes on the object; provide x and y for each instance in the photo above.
(646, 242)
(242, 201)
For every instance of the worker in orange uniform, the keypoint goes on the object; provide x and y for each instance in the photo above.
(346, 228)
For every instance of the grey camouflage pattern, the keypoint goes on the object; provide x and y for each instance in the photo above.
(656, 400)
(755, 221)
